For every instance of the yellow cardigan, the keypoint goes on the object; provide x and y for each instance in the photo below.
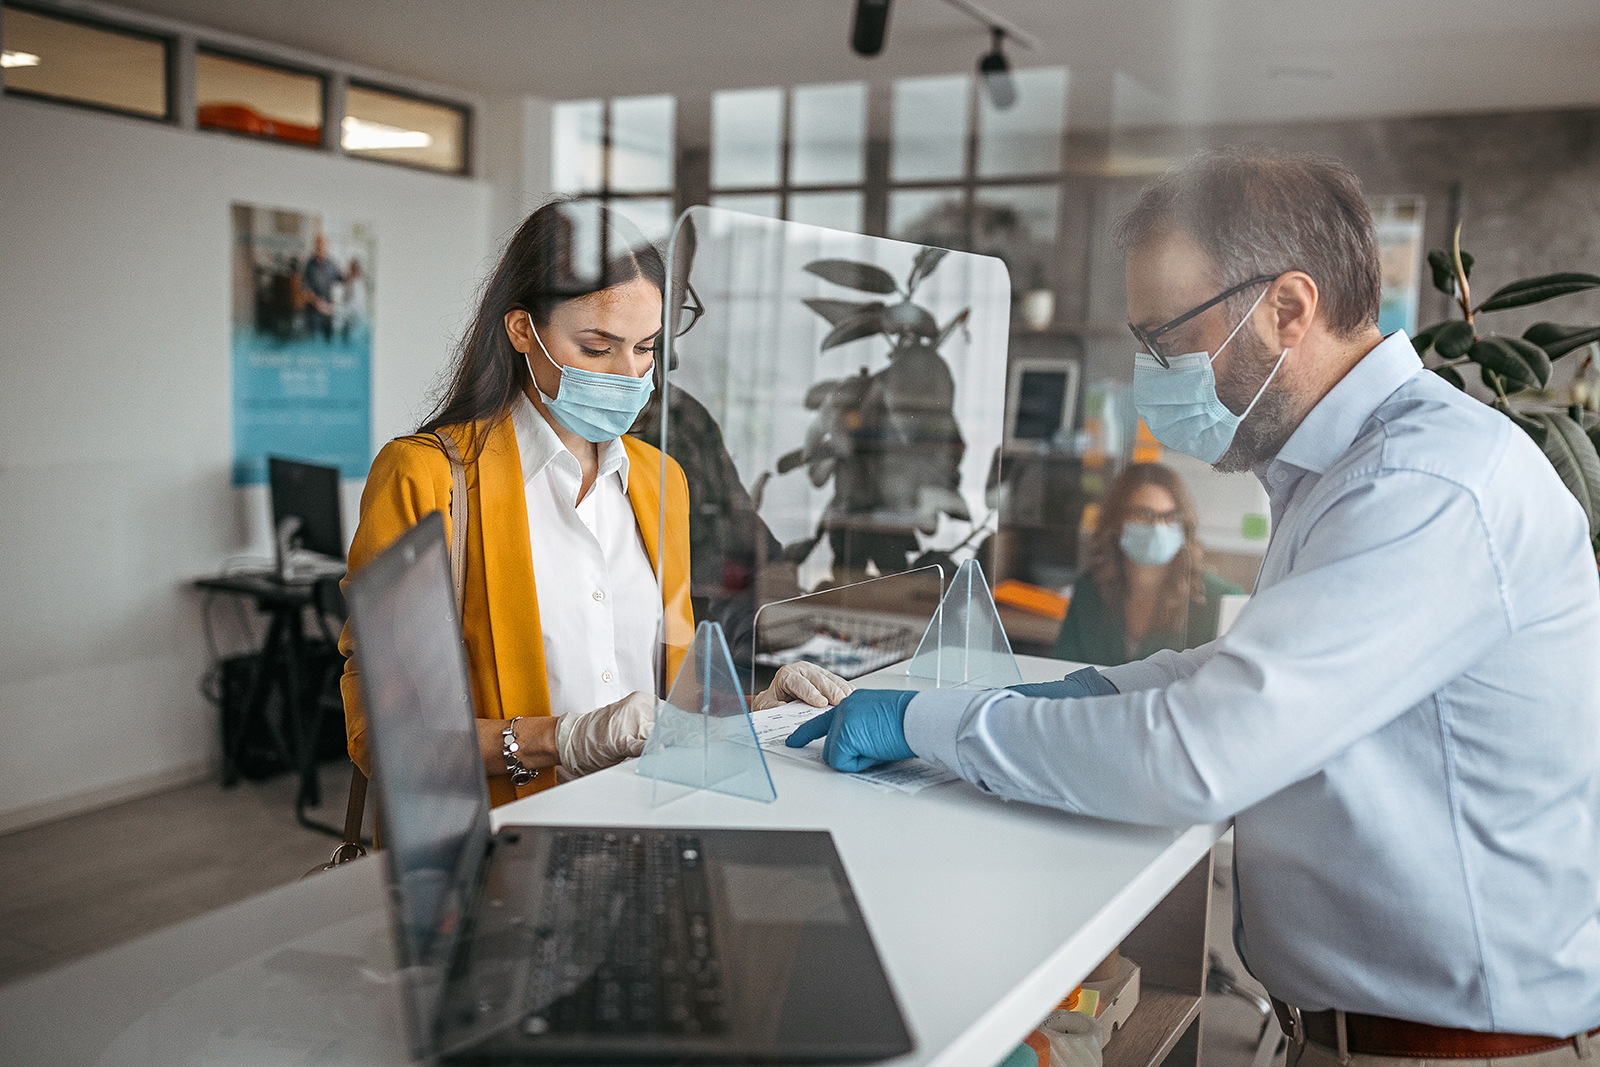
(500, 614)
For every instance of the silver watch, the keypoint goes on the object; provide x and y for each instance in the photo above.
(509, 749)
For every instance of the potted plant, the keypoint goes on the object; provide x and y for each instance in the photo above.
(1519, 365)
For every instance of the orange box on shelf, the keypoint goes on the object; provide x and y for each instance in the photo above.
(1034, 598)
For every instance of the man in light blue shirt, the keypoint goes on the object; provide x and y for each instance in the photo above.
(1404, 722)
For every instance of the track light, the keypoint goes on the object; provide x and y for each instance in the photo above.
(870, 27)
(995, 73)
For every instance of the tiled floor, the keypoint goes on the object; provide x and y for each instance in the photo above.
(86, 883)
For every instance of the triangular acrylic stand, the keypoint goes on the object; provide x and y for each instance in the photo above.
(703, 737)
(965, 645)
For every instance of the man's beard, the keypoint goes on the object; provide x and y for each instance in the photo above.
(1274, 417)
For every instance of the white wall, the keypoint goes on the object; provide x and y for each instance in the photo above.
(115, 408)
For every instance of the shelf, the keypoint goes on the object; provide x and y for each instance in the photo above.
(1154, 1028)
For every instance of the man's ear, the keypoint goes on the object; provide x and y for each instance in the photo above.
(1285, 316)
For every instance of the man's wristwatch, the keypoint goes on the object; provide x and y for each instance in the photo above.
(509, 750)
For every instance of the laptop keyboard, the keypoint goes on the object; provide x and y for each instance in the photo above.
(625, 943)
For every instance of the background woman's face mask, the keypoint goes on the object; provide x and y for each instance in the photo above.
(1151, 543)
(1180, 405)
(597, 407)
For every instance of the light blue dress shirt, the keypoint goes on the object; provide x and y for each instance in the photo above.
(1404, 722)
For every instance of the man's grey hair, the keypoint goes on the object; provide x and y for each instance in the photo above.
(1258, 211)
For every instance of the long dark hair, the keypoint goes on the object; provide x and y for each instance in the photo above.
(546, 262)
(1184, 580)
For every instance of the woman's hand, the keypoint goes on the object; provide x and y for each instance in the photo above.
(803, 681)
(590, 741)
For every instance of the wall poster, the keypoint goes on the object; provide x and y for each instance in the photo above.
(301, 340)
(1398, 221)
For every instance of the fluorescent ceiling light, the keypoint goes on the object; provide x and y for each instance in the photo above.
(18, 59)
(360, 135)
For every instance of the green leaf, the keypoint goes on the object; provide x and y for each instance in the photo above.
(1423, 340)
(1454, 339)
(1444, 271)
(836, 311)
(923, 265)
(1533, 290)
(853, 275)
(1497, 355)
(1453, 376)
(1558, 340)
(1572, 453)
(854, 328)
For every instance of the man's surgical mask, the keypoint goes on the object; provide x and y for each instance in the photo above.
(1180, 405)
(1151, 543)
(597, 407)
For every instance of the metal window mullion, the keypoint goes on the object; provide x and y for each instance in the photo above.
(181, 104)
(335, 88)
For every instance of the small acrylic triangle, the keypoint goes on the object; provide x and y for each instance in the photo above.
(965, 646)
(703, 737)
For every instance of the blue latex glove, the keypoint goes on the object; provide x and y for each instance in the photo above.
(865, 729)
(1084, 683)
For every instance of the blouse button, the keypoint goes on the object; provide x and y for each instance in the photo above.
(599, 594)
(605, 676)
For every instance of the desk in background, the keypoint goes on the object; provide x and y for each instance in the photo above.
(985, 914)
(282, 664)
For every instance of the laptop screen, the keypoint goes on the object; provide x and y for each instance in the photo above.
(432, 799)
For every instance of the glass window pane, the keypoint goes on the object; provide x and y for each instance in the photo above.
(575, 148)
(642, 136)
(930, 128)
(240, 96)
(836, 211)
(750, 203)
(652, 215)
(746, 129)
(402, 129)
(828, 134)
(89, 64)
(1017, 223)
(928, 217)
(1026, 137)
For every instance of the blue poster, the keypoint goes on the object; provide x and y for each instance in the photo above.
(302, 342)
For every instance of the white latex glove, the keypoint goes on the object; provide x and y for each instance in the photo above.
(803, 681)
(589, 741)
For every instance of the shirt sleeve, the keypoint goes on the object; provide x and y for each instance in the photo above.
(1394, 590)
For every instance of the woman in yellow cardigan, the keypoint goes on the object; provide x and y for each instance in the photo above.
(567, 629)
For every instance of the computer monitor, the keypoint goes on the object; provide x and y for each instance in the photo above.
(1041, 402)
(305, 508)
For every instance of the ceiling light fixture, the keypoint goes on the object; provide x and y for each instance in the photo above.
(994, 70)
(18, 59)
(995, 74)
(359, 135)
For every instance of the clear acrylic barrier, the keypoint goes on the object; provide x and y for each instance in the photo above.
(851, 630)
(834, 402)
(703, 737)
(965, 645)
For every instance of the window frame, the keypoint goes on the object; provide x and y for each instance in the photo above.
(169, 64)
(468, 130)
(324, 79)
(786, 186)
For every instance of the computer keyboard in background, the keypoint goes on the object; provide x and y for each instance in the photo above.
(623, 943)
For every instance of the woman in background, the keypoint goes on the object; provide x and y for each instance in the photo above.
(1142, 587)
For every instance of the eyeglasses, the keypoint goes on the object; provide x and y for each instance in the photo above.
(1147, 338)
(689, 313)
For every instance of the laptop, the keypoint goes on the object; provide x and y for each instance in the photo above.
(582, 943)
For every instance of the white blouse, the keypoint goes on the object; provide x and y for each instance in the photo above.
(599, 604)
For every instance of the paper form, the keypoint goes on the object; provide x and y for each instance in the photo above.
(774, 725)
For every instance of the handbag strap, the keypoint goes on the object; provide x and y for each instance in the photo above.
(458, 516)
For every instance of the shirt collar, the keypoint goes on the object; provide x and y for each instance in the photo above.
(1330, 428)
(538, 445)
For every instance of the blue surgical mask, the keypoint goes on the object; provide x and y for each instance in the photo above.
(597, 407)
(1151, 543)
(1180, 405)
